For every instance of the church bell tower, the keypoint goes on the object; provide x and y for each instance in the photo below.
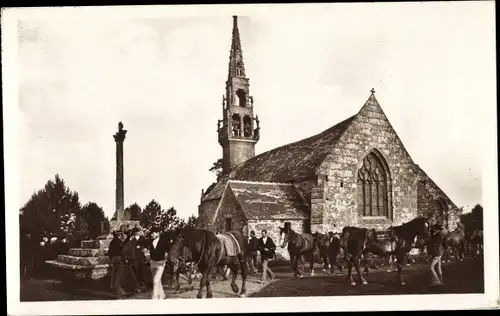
(238, 130)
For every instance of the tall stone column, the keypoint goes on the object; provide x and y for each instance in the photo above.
(120, 196)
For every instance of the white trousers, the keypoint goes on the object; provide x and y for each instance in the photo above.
(157, 268)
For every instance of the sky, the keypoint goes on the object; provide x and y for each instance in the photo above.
(432, 66)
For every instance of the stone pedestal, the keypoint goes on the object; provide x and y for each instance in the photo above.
(90, 261)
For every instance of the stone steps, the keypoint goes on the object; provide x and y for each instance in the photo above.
(91, 244)
(87, 252)
(82, 261)
(79, 271)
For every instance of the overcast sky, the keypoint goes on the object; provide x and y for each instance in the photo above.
(432, 66)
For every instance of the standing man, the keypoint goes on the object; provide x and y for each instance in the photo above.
(266, 248)
(157, 251)
(435, 250)
(115, 257)
(129, 258)
(253, 245)
(334, 251)
(140, 259)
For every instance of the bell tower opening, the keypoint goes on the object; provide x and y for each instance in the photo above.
(242, 97)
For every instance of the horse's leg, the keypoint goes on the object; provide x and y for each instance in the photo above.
(243, 264)
(177, 283)
(324, 255)
(349, 272)
(311, 262)
(234, 273)
(400, 258)
(300, 265)
(204, 281)
(358, 270)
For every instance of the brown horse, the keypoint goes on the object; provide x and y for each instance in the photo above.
(360, 241)
(209, 251)
(185, 260)
(454, 244)
(329, 250)
(404, 237)
(299, 245)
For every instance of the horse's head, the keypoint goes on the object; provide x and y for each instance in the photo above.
(284, 236)
(422, 227)
(344, 236)
(176, 245)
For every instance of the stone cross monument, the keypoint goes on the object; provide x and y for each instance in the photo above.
(121, 218)
(119, 139)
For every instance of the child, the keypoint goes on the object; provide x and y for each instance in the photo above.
(435, 251)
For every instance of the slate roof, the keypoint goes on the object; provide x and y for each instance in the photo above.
(292, 161)
(269, 200)
(285, 163)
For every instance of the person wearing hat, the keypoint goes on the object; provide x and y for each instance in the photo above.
(139, 263)
(435, 250)
(115, 258)
(128, 257)
(157, 251)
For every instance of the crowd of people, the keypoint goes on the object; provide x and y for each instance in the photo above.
(34, 252)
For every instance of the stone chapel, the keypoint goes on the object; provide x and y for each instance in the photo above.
(356, 172)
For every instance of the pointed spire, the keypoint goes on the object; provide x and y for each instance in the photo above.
(236, 66)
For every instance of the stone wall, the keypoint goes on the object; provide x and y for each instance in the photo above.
(369, 130)
(240, 150)
(229, 208)
(206, 213)
(429, 199)
(273, 231)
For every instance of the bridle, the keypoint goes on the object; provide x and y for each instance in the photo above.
(202, 249)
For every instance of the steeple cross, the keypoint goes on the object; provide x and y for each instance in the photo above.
(372, 91)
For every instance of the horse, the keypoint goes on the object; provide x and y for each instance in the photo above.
(328, 250)
(299, 245)
(476, 239)
(209, 251)
(404, 237)
(358, 241)
(454, 242)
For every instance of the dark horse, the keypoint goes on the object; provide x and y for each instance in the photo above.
(299, 245)
(359, 241)
(329, 250)
(208, 252)
(185, 260)
(454, 242)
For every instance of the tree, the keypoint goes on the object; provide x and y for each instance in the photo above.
(170, 220)
(154, 216)
(217, 168)
(93, 215)
(151, 215)
(135, 212)
(477, 216)
(191, 222)
(51, 210)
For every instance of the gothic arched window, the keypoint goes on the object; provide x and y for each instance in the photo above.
(373, 187)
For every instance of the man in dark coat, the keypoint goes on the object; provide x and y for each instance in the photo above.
(140, 243)
(253, 247)
(128, 257)
(267, 249)
(115, 258)
(334, 251)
